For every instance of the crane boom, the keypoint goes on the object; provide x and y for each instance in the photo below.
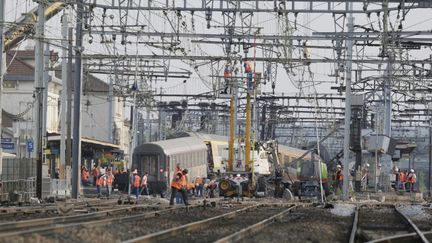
(25, 25)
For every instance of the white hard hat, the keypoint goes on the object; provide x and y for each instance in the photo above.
(412, 170)
(338, 166)
(367, 165)
(238, 175)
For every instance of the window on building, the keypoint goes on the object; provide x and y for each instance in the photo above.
(10, 84)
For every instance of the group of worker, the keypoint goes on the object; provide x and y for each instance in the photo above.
(405, 180)
(108, 177)
(179, 185)
(196, 187)
(139, 184)
(199, 187)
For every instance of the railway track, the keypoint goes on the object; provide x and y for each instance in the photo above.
(11, 229)
(228, 227)
(45, 211)
(94, 229)
(384, 224)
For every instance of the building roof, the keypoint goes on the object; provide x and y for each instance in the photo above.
(17, 65)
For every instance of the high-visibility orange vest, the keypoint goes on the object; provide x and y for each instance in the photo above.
(199, 181)
(136, 182)
(177, 183)
(402, 177)
(84, 175)
(190, 186)
(339, 176)
(412, 178)
(184, 180)
(110, 179)
(100, 181)
(95, 172)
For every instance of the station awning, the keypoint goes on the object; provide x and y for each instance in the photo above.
(8, 155)
(87, 140)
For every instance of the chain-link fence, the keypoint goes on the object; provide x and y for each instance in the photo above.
(18, 168)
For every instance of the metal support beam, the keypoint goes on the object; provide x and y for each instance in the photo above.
(2, 69)
(39, 69)
(258, 59)
(76, 148)
(63, 102)
(348, 71)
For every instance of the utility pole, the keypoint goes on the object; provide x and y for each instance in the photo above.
(69, 101)
(430, 152)
(39, 70)
(349, 45)
(76, 148)
(134, 122)
(2, 69)
(110, 110)
(45, 106)
(388, 73)
(65, 29)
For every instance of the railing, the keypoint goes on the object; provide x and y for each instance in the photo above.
(18, 190)
(60, 188)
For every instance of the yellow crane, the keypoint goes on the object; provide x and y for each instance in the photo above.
(25, 25)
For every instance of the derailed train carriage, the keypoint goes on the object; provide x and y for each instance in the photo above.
(302, 172)
(159, 159)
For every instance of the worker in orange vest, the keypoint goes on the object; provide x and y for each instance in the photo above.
(136, 182)
(338, 178)
(84, 176)
(402, 178)
(95, 173)
(109, 182)
(144, 186)
(99, 183)
(199, 185)
(411, 179)
(179, 184)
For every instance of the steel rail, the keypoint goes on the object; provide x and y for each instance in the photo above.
(255, 227)
(417, 231)
(161, 235)
(399, 238)
(61, 228)
(46, 208)
(7, 227)
(413, 226)
(355, 226)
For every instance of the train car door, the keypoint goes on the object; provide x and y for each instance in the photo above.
(150, 165)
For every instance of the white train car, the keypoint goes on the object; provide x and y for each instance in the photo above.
(160, 159)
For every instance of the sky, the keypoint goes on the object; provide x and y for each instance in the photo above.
(305, 80)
